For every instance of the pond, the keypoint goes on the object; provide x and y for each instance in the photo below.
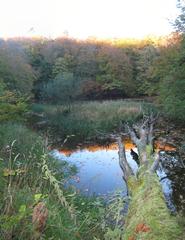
(99, 172)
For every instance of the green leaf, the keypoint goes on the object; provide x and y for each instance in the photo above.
(8, 172)
(37, 197)
(22, 209)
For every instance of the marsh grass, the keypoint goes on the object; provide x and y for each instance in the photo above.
(85, 120)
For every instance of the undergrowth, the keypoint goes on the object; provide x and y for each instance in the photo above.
(31, 179)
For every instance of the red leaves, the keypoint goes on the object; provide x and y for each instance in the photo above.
(39, 217)
(141, 227)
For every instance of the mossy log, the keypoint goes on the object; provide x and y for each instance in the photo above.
(148, 217)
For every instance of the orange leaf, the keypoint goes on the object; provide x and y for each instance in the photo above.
(131, 238)
(141, 227)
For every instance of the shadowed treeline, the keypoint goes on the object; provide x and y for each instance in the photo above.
(65, 70)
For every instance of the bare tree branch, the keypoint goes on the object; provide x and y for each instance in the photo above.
(132, 134)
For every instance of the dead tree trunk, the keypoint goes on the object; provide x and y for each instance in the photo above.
(148, 216)
(142, 137)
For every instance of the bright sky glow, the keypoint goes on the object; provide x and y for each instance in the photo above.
(85, 18)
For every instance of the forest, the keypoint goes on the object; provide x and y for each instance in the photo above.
(68, 96)
(95, 70)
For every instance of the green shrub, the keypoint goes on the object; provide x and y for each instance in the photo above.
(12, 106)
(62, 88)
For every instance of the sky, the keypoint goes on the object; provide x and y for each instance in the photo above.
(86, 18)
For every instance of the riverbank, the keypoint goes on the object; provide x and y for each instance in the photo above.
(34, 202)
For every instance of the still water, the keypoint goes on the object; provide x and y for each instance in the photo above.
(98, 167)
(99, 172)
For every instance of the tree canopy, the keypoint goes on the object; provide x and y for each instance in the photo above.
(65, 69)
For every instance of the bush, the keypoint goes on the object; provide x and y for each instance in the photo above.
(63, 88)
(12, 106)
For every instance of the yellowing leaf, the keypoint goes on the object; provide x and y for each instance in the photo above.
(8, 172)
(37, 197)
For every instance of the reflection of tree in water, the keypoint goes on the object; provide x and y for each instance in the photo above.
(175, 172)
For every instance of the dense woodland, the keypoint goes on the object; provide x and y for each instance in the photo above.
(65, 70)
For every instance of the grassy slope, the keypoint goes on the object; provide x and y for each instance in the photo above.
(148, 207)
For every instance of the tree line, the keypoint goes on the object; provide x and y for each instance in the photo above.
(90, 69)
(76, 70)
(65, 70)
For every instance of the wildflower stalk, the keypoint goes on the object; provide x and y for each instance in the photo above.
(55, 183)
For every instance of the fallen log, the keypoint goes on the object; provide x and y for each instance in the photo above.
(148, 217)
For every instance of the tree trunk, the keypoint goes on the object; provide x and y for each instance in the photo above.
(148, 217)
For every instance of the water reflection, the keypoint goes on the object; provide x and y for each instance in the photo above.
(99, 172)
(172, 175)
(94, 148)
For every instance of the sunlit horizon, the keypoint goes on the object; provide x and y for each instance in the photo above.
(82, 19)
